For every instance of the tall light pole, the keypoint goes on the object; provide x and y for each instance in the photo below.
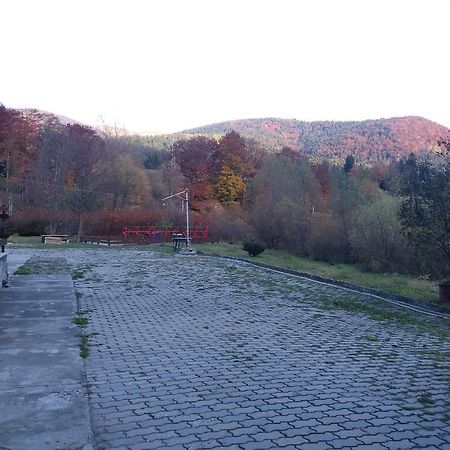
(184, 196)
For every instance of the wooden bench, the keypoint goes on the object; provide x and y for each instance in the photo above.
(55, 238)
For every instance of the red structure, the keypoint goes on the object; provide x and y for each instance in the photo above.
(156, 234)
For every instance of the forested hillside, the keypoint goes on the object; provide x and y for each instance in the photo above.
(369, 140)
(376, 193)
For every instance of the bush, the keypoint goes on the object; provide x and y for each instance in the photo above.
(324, 241)
(253, 248)
(376, 237)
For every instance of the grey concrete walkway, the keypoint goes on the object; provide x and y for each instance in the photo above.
(43, 403)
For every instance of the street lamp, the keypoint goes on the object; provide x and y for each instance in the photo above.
(184, 196)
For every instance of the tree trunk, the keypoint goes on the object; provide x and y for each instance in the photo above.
(80, 227)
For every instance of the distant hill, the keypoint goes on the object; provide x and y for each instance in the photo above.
(42, 115)
(369, 140)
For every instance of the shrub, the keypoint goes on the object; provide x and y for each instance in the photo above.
(376, 237)
(253, 248)
(324, 241)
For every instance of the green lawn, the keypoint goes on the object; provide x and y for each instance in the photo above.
(16, 239)
(406, 285)
(36, 241)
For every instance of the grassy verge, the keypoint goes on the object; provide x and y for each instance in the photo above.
(406, 285)
(16, 239)
(36, 242)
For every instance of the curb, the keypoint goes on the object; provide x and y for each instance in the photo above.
(400, 300)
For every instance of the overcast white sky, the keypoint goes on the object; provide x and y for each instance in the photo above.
(168, 65)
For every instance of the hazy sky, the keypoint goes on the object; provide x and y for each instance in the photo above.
(168, 65)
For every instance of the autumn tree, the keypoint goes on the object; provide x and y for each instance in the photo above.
(51, 172)
(194, 158)
(345, 197)
(19, 136)
(125, 182)
(376, 237)
(85, 180)
(229, 187)
(233, 163)
(282, 198)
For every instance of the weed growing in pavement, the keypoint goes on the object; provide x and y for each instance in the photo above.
(80, 321)
(77, 274)
(24, 270)
(84, 346)
(425, 399)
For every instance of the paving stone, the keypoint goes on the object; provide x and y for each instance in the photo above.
(235, 440)
(316, 446)
(428, 441)
(287, 441)
(345, 443)
(272, 435)
(260, 445)
(318, 437)
(372, 439)
(401, 435)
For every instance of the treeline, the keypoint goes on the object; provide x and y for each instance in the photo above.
(69, 178)
(392, 218)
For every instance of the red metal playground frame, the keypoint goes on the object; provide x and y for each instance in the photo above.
(157, 234)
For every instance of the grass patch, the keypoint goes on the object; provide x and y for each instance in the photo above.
(16, 239)
(80, 321)
(77, 274)
(426, 400)
(24, 270)
(398, 284)
(43, 265)
(378, 311)
(36, 241)
(84, 346)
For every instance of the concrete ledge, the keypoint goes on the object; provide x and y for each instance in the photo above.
(43, 394)
(3, 268)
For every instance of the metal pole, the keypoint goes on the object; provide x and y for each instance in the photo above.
(188, 238)
(185, 203)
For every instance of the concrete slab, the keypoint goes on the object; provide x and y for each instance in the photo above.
(43, 399)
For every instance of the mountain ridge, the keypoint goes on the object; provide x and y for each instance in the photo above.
(370, 140)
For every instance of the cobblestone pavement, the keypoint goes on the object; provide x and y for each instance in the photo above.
(197, 352)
